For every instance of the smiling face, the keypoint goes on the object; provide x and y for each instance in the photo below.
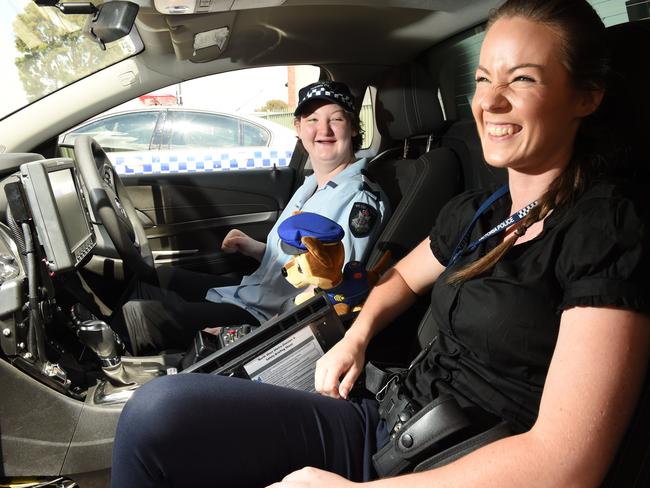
(525, 106)
(326, 132)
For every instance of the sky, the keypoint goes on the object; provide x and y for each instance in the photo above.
(238, 91)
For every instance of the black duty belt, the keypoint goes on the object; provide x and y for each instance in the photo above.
(425, 438)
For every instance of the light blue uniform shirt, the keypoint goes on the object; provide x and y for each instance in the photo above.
(266, 292)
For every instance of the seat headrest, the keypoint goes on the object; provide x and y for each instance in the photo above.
(626, 105)
(407, 103)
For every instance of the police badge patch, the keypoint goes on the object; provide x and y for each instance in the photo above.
(362, 219)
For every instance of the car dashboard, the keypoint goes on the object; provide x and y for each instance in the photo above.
(57, 358)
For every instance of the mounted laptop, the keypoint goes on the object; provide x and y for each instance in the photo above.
(283, 351)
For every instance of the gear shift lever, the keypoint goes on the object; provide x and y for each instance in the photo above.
(98, 336)
(122, 376)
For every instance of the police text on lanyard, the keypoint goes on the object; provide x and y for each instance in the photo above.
(464, 248)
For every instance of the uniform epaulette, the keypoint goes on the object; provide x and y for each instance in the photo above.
(370, 186)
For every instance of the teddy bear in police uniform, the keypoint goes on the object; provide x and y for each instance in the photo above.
(315, 243)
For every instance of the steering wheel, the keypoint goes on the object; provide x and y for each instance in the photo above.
(113, 208)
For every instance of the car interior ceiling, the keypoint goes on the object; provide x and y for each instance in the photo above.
(423, 158)
(410, 31)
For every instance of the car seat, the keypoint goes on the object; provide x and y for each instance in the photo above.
(418, 177)
(627, 105)
(417, 182)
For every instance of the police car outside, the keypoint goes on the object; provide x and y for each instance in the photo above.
(154, 140)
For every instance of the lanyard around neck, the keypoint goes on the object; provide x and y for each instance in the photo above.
(464, 248)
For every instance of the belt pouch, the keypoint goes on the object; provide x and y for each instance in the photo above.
(421, 436)
(499, 431)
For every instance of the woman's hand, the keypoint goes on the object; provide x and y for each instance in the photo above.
(312, 477)
(237, 241)
(343, 362)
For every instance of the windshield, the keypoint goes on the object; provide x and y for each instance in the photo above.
(44, 50)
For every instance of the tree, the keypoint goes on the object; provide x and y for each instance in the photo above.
(274, 106)
(54, 52)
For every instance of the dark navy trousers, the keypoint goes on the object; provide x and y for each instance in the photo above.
(193, 430)
(169, 315)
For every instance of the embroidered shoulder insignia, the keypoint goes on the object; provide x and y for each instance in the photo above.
(362, 219)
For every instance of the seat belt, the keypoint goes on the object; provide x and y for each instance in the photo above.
(297, 163)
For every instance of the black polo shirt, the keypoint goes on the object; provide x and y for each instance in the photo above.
(497, 332)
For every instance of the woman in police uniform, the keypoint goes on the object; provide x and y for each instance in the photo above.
(538, 295)
(329, 127)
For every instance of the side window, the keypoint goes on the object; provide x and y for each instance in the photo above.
(367, 115)
(619, 12)
(188, 130)
(453, 64)
(123, 132)
(253, 135)
(239, 120)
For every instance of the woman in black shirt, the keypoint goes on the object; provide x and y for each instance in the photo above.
(538, 298)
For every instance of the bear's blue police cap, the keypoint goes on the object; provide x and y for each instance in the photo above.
(307, 224)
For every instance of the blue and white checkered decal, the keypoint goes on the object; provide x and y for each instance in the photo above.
(320, 90)
(198, 160)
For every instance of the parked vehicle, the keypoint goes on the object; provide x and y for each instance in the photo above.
(177, 139)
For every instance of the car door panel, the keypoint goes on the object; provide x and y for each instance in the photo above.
(186, 216)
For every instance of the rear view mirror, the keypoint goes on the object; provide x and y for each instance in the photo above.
(111, 21)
